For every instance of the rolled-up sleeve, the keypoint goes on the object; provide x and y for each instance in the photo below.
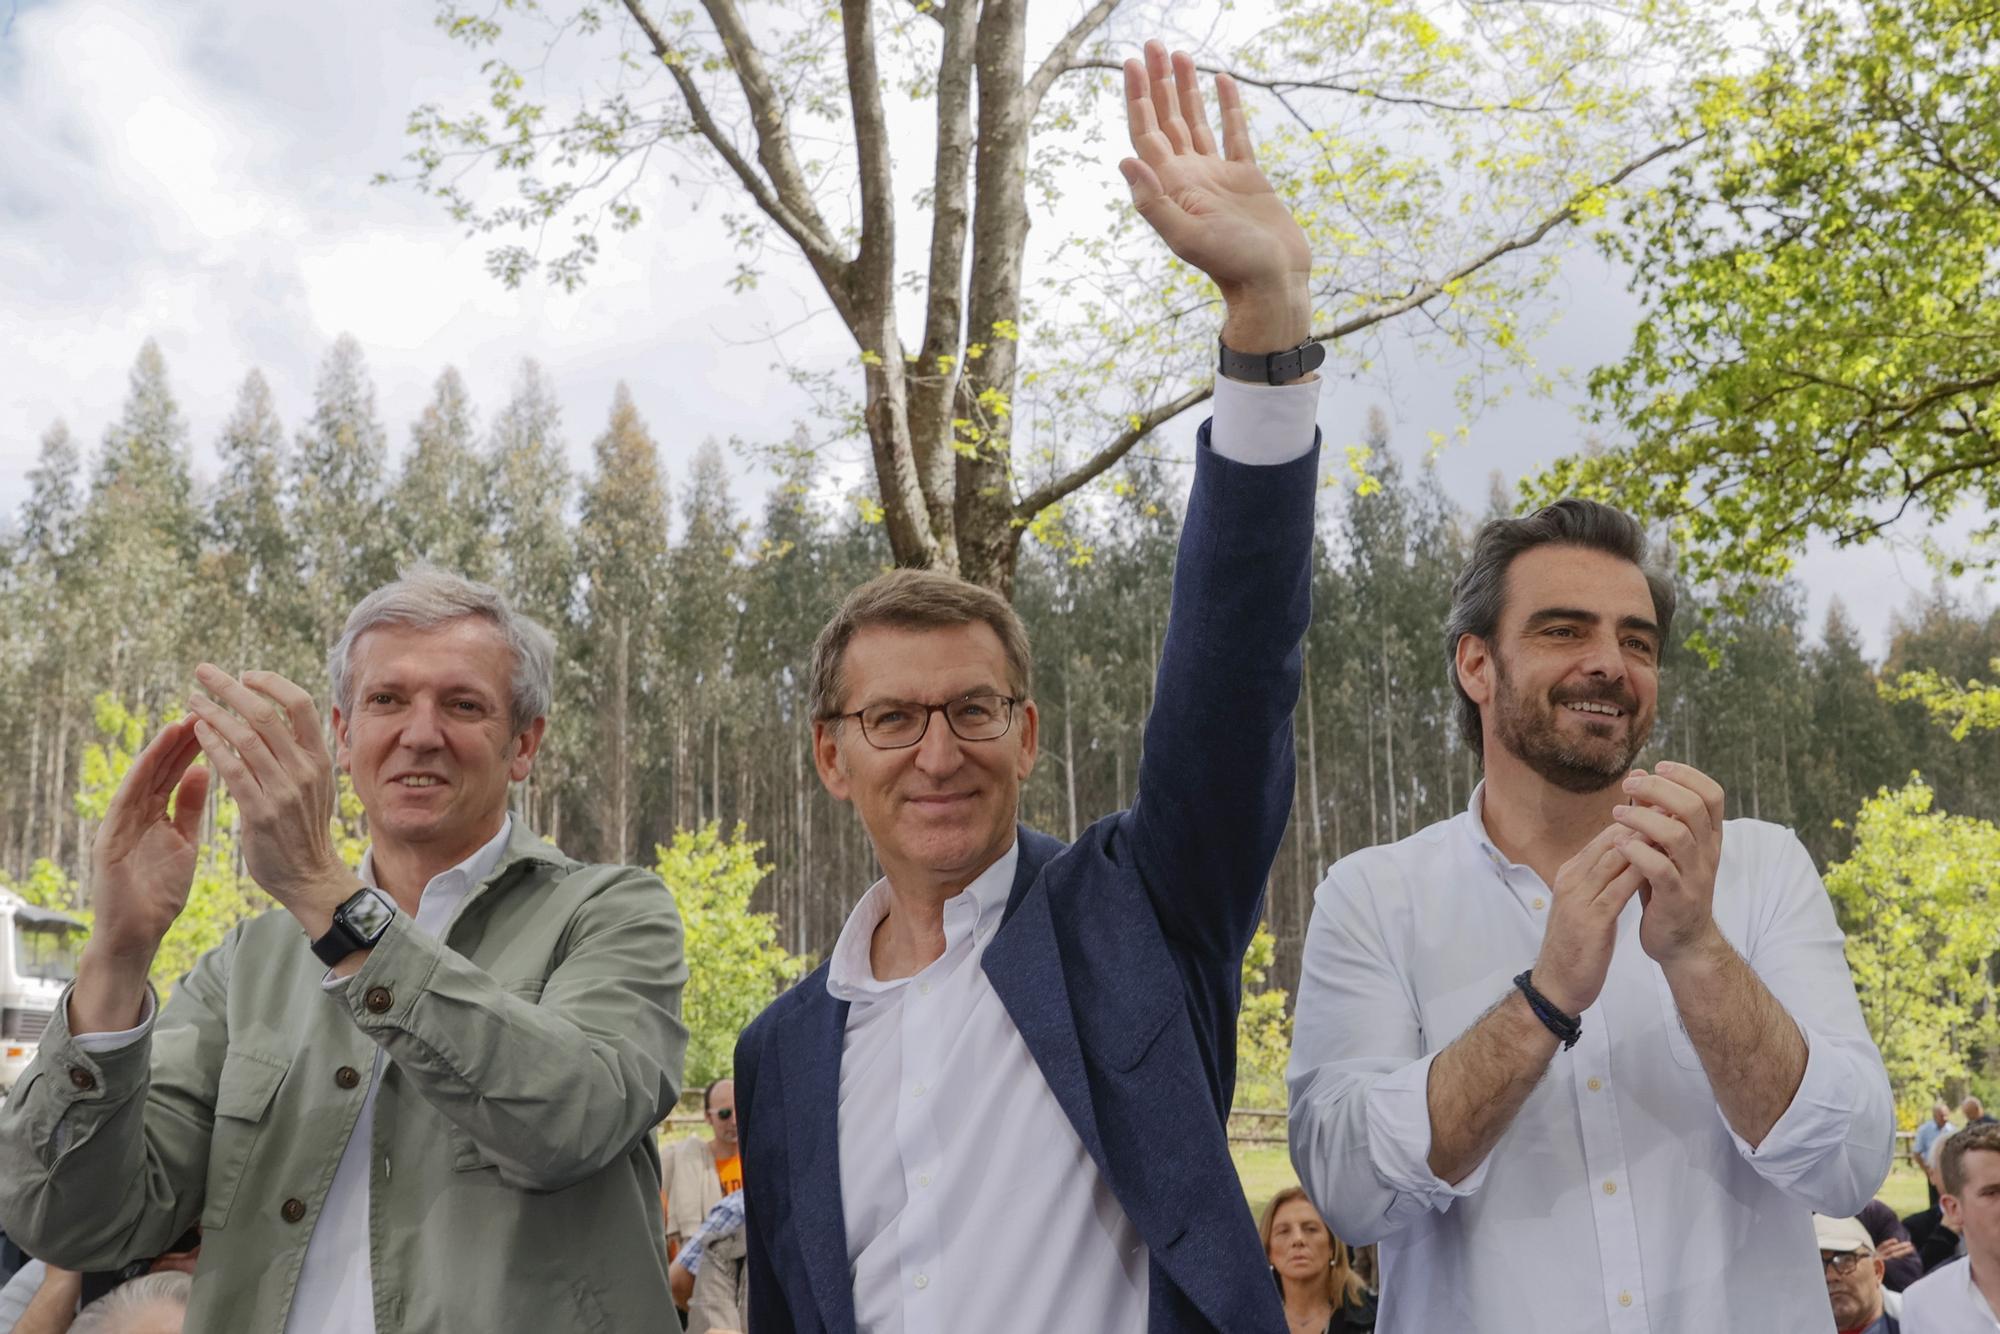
(1360, 1079)
(1832, 1148)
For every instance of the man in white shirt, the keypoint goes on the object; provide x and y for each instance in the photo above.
(1582, 1057)
(1963, 1296)
(1002, 1102)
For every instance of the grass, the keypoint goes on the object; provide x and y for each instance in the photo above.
(1266, 1170)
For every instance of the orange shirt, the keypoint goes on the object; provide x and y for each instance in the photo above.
(730, 1171)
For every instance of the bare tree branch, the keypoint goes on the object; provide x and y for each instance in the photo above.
(932, 389)
(1135, 430)
(1332, 86)
(1058, 61)
(1424, 293)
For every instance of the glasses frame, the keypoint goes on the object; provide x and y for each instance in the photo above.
(1007, 703)
(1842, 1263)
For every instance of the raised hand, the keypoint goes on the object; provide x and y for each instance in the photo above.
(142, 862)
(1673, 821)
(263, 736)
(1213, 206)
(1590, 891)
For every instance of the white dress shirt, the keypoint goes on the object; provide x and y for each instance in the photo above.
(1946, 1301)
(335, 1289)
(1619, 1198)
(969, 1201)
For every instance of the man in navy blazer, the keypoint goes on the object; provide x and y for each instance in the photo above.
(1001, 1102)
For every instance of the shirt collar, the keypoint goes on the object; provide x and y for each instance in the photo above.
(462, 876)
(1474, 821)
(850, 976)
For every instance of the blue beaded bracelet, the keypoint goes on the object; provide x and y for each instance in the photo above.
(1558, 1023)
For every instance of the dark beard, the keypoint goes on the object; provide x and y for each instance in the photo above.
(1531, 737)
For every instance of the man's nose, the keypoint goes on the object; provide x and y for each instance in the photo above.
(423, 726)
(940, 751)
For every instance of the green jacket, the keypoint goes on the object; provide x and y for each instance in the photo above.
(515, 1181)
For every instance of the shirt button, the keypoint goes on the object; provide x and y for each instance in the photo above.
(1624, 1299)
(1595, 1084)
(924, 1180)
(1538, 903)
(347, 1076)
(378, 1000)
(294, 1210)
(922, 1282)
(917, 1092)
(82, 1078)
(1611, 1188)
(924, 988)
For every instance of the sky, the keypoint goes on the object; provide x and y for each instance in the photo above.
(199, 174)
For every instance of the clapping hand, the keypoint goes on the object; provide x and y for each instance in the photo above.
(1674, 823)
(263, 736)
(142, 862)
(1214, 207)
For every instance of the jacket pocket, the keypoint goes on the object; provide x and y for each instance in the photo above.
(243, 1099)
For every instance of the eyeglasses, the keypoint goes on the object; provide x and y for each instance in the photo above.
(723, 1113)
(899, 724)
(1841, 1262)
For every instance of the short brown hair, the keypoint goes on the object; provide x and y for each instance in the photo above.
(914, 600)
(1951, 1161)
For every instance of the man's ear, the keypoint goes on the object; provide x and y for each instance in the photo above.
(827, 759)
(342, 754)
(526, 746)
(1949, 1204)
(1030, 724)
(1474, 661)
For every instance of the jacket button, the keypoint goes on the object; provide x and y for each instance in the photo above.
(82, 1078)
(378, 1000)
(294, 1210)
(347, 1077)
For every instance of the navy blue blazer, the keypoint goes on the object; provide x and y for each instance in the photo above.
(1119, 958)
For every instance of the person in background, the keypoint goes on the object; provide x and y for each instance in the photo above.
(155, 1304)
(1936, 1244)
(697, 1173)
(1853, 1276)
(1974, 1112)
(1893, 1247)
(725, 1219)
(1316, 1277)
(1926, 1136)
(1961, 1297)
(40, 1299)
(712, 1275)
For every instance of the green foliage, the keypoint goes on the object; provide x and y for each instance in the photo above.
(1965, 708)
(1263, 1029)
(1820, 351)
(736, 966)
(47, 886)
(1917, 900)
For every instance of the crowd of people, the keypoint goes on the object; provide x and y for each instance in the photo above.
(1584, 1056)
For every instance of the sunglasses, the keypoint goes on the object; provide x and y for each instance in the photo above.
(723, 1113)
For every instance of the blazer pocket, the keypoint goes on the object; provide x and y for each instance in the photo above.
(243, 1097)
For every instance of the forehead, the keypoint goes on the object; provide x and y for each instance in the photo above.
(723, 1093)
(467, 652)
(1581, 578)
(930, 664)
(1981, 1169)
(1295, 1211)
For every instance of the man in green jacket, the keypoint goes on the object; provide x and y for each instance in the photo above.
(415, 1100)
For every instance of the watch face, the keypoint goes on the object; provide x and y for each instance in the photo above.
(367, 914)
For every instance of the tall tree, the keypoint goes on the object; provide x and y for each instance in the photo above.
(1820, 347)
(1445, 143)
(441, 503)
(337, 484)
(252, 567)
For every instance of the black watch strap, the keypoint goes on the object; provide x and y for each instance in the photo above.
(357, 925)
(1294, 363)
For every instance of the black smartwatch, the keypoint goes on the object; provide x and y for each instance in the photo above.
(357, 925)
(1294, 363)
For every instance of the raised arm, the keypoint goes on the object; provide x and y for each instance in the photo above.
(1215, 780)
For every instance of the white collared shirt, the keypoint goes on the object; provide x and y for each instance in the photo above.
(966, 1191)
(335, 1288)
(1619, 1198)
(969, 1201)
(1946, 1301)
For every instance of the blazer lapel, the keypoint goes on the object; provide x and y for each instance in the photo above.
(812, 1043)
(1025, 969)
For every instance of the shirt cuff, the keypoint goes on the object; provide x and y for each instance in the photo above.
(1263, 423)
(98, 1043)
(1399, 1138)
(1816, 1123)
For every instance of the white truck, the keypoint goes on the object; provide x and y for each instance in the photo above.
(38, 949)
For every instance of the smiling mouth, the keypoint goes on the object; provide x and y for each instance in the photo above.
(418, 781)
(1594, 709)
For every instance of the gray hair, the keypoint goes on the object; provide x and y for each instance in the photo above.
(106, 1315)
(424, 596)
(1480, 591)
